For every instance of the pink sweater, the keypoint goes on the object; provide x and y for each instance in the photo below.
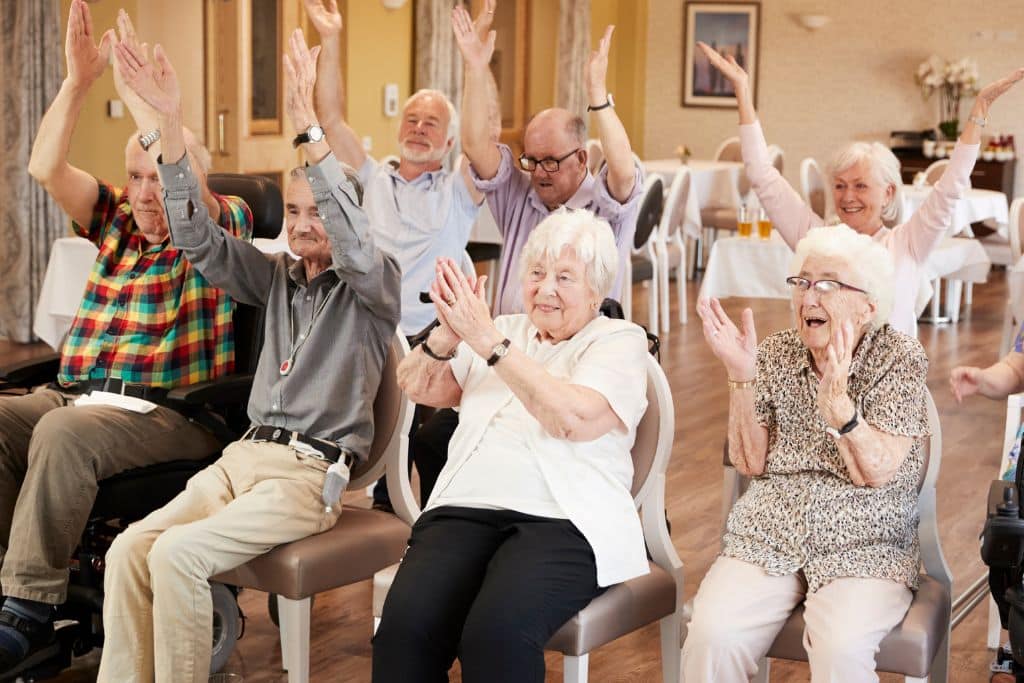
(909, 243)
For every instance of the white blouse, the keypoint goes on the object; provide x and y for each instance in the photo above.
(588, 482)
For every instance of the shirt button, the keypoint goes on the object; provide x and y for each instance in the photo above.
(181, 175)
(132, 276)
(99, 361)
(275, 406)
(309, 297)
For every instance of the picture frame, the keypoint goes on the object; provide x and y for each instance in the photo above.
(732, 28)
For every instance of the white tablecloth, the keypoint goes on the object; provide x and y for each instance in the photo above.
(71, 260)
(712, 184)
(976, 205)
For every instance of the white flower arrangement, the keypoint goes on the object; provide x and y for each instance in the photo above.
(953, 80)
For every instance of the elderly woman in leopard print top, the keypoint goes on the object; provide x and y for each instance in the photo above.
(829, 419)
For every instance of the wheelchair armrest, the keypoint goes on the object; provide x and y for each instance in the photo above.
(31, 372)
(226, 390)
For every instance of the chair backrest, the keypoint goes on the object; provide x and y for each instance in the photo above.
(813, 187)
(674, 212)
(261, 194)
(935, 171)
(653, 445)
(595, 155)
(1016, 228)
(775, 157)
(649, 215)
(729, 150)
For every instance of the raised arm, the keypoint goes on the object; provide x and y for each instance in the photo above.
(614, 141)
(330, 91)
(477, 144)
(74, 190)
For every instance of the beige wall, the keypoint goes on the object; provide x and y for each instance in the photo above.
(851, 79)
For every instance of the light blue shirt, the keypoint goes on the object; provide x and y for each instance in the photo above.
(417, 221)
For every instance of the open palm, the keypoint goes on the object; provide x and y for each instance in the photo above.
(475, 51)
(325, 16)
(991, 92)
(86, 60)
(155, 82)
(727, 65)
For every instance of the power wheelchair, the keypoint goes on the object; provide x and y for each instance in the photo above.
(220, 405)
(1002, 550)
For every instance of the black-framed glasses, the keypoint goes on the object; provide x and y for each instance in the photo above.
(549, 164)
(802, 284)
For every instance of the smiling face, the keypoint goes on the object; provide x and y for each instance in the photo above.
(819, 315)
(548, 136)
(557, 295)
(860, 197)
(306, 236)
(423, 135)
(145, 194)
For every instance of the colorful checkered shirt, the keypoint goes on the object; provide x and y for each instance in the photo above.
(148, 316)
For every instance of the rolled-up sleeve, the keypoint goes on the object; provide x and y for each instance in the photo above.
(615, 367)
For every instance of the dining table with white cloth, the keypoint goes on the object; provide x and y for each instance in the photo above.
(712, 184)
(67, 272)
(975, 206)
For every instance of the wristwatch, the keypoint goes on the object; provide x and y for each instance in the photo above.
(608, 103)
(979, 120)
(845, 429)
(499, 351)
(312, 134)
(149, 139)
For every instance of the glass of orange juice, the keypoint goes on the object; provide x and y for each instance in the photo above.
(745, 221)
(764, 224)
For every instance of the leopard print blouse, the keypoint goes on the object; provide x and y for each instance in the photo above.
(804, 513)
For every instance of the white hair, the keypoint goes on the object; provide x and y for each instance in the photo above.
(453, 114)
(883, 164)
(589, 237)
(869, 263)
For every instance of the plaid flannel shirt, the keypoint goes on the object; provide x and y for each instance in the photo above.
(148, 316)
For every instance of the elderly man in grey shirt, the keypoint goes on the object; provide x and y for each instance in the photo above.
(330, 317)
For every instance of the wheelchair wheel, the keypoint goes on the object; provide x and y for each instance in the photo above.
(225, 625)
(272, 607)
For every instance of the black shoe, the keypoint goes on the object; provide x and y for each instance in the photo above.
(383, 506)
(42, 644)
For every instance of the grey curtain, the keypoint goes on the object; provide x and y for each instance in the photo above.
(573, 55)
(31, 56)
(437, 57)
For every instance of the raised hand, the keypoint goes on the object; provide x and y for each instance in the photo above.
(483, 21)
(728, 66)
(462, 306)
(475, 51)
(155, 82)
(737, 350)
(834, 401)
(325, 16)
(300, 71)
(86, 60)
(597, 69)
(136, 105)
(991, 92)
(965, 381)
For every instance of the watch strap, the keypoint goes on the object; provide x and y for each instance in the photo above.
(149, 139)
(436, 356)
(851, 425)
(497, 354)
(300, 139)
(608, 103)
(979, 120)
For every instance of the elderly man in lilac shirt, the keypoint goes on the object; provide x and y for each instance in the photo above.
(552, 171)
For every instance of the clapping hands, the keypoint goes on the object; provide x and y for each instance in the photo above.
(461, 305)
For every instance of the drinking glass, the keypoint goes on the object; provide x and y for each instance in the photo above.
(764, 224)
(744, 221)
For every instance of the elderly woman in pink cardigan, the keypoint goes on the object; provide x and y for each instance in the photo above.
(865, 184)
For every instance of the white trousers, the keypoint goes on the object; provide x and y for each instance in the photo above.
(157, 611)
(739, 609)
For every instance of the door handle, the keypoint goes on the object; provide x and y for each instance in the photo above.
(222, 149)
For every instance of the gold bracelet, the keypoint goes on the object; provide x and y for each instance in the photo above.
(733, 384)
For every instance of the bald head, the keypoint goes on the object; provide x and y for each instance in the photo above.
(560, 135)
(554, 120)
(197, 152)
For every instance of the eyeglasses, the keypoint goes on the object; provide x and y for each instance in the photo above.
(823, 287)
(549, 164)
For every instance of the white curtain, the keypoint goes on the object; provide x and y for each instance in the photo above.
(573, 55)
(437, 57)
(31, 56)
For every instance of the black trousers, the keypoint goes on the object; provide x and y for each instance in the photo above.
(428, 449)
(488, 586)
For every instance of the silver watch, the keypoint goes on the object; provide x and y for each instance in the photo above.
(149, 139)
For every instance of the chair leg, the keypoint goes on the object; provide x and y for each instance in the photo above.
(627, 291)
(665, 264)
(293, 616)
(764, 671)
(953, 291)
(575, 668)
(652, 295)
(968, 293)
(681, 283)
(995, 626)
(936, 298)
(671, 653)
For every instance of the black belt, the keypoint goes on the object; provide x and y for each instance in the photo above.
(114, 385)
(331, 453)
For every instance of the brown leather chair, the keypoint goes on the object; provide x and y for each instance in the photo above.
(918, 647)
(360, 544)
(628, 606)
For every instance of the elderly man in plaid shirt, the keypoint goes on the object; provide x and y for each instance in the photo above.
(148, 322)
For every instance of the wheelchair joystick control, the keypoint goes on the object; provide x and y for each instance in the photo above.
(1009, 507)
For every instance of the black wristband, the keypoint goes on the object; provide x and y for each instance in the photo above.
(429, 352)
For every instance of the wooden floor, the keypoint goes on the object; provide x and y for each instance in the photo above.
(972, 441)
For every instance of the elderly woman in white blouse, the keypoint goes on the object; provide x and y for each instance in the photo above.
(532, 516)
(865, 180)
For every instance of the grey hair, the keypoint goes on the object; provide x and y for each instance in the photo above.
(453, 114)
(871, 263)
(577, 130)
(590, 238)
(883, 163)
(299, 173)
(193, 145)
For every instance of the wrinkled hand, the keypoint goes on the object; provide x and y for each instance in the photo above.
(483, 21)
(737, 350)
(462, 306)
(300, 71)
(991, 92)
(597, 69)
(834, 402)
(475, 51)
(965, 381)
(728, 66)
(86, 60)
(155, 82)
(136, 105)
(325, 16)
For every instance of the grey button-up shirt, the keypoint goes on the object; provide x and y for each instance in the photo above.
(330, 388)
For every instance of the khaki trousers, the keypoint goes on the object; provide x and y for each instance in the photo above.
(739, 610)
(52, 454)
(157, 612)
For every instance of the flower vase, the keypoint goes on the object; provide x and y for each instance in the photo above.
(950, 129)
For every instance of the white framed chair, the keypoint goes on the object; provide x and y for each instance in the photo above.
(360, 544)
(628, 606)
(645, 248)
(918, 648)
(674, 246)
(595, 155)
(813, 187)
(729, 150)
(776, 157)
(935, 171)
(1016, 233)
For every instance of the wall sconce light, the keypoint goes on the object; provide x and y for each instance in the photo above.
(812, 22)
(392, 4)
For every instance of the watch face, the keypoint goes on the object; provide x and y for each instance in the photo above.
(315, 133)
(500, 350)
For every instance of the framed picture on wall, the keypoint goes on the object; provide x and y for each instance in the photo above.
(732, 28)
